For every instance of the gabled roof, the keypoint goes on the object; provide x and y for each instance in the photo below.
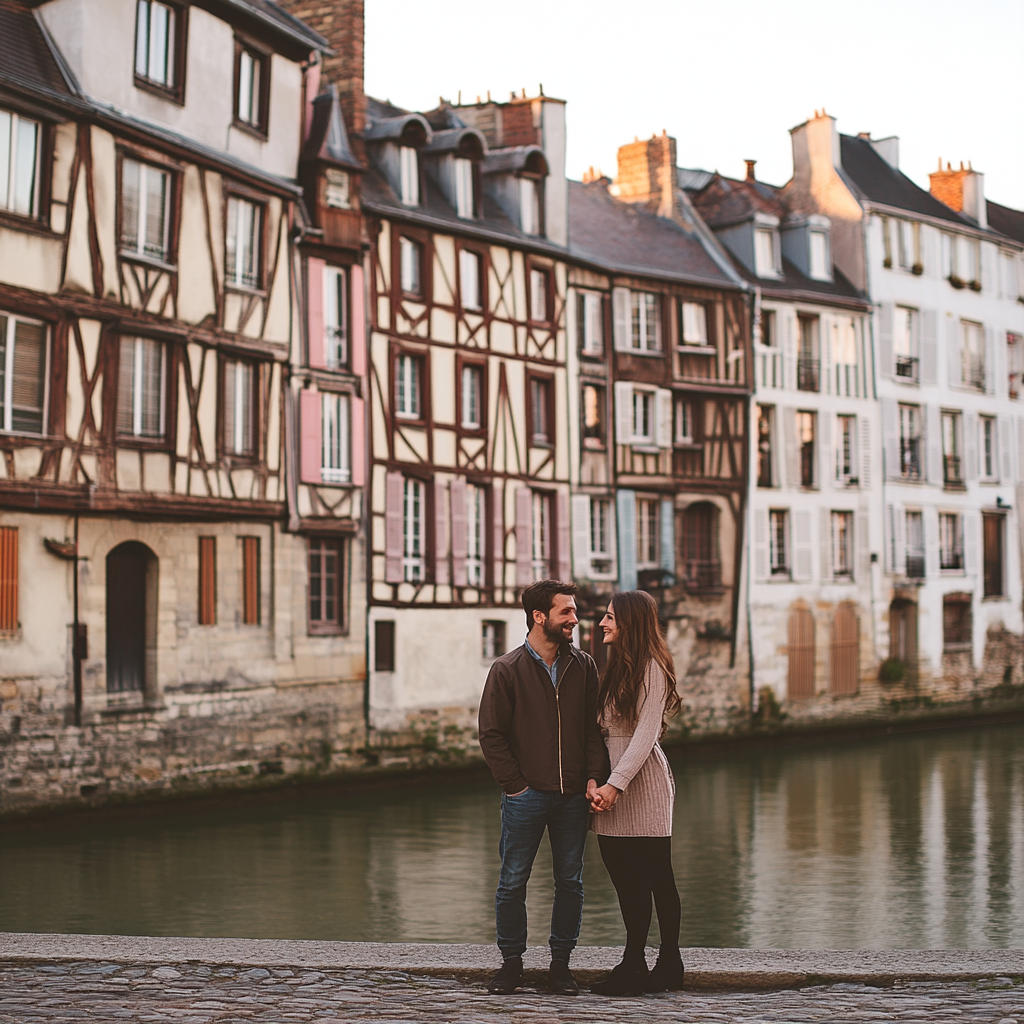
(26, 60)
(724, 201)
(1006, 221)
(328, 139)
(629, 239)
(275, 18)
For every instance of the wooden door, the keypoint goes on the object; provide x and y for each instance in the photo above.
(844, 654)
(903, 634)
(992, 538)
(800, 680)
(126, 618)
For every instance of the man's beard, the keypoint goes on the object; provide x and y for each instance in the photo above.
(556, 634)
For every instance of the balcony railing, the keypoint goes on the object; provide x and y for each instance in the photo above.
(702, 574)
(951, 469)
(910, 458)
(915, 567)
(807, 374)
(974, 372)
(906, 367)
(951, 559)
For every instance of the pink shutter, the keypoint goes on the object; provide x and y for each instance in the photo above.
(441, 573)
(458, 498)
(357, 327)
(393, 528)
(311, 410)
(498, 537)
(315, 319)
(524, 549)
(563, 554)
(358, 435)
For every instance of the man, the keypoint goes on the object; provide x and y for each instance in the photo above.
(540, 738)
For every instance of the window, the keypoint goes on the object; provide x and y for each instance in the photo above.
(962, 257)
(409, 175)
(540, 535)
(644, 325)
(844, 357)
(408, 386)
(842, 544)
(470, 279)
(972, 354)
(540, 294)
(765, 263)
(589, 323)
(239, 402)
(384, 646)
(335, 439)
(23, 374)
(807, 358)
(647, 532)
(19, 164)
(643, 416)
(765, 425)
(8, 579)
(905, 343)
(683, 421)
(593, 416)
(472, 397)
(541, 413)
(778, 541)
(951, 468)
(410, 269)
(337, 189)
(907, 243)
(207, 581)
(145, 210)
(156, 43)
(141, 401)
(492, 636)
(951, 541)
(465, 189)
(915, 545)
(414, 510)
(529, 206)
(325, 586)
(251, 73)
(250, 581)
(957, 621)
(476, 525)
(695, 323)
(992, 542)
(769, 358)
(601, 535)
(701, 568)
(805, 432)
(819, 263)
(1015, 363)
(988, 447)
(910, 442)
(846, 450)
(244, 243)
(335, 317)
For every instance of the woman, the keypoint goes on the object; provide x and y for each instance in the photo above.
(633, 811)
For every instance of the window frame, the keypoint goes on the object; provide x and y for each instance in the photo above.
(421, 357)
(496, 640)
(537, 183)
(707, 341)
(599, 441)
(481, 265)
(955, 564)
(460, 163)
(413, 178)
(648, 394)
(260, 203)
(779, 569)
(988, 449)
(42, 173)
(338, 625)
(547, 382)
(340, 475)
(421, 241)
(684, 401)
(842, 544)
(261, 58)
(808, 459)
(847, 468)
(542, 554)
(410, 560)
(339, 335)
(586, 349)
(965, 603)
(172, 212)
(547, 273)
(176, 91)
(775, 270)
(169, 411)
(910, 444)
(769, 452)
(477, 562)
(638, 315)
(648, 531)
(250, 455)
(988, 592)
(6, 403)
(464, 363)
(600, 528)
(951, 440)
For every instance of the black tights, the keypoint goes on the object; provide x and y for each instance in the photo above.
(640, 866)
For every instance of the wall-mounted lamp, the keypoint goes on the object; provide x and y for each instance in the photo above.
(1000, 504)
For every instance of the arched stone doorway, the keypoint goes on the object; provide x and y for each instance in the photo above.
(131, 619)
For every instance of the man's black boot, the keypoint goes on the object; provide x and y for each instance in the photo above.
(507, 980)
(560, 979)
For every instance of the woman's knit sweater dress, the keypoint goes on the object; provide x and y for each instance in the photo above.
(639, 767)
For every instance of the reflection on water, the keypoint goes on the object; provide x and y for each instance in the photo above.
(911, 841)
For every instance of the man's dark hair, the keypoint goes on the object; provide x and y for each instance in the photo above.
(540, 596)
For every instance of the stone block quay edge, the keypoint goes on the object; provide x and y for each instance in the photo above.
(705, 968)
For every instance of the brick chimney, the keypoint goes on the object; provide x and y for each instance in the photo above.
(962, 190)
(647, 173)
(341, 23)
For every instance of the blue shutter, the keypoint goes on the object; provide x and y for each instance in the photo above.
(668, 536)
(625, 505)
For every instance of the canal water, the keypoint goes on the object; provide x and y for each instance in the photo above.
(912, 841)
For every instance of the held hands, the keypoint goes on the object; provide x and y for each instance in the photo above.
(601, 798)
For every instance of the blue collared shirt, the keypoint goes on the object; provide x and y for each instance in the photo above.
(552, 670)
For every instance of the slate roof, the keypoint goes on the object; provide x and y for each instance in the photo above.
(1006, 221)
(724, 201)
(628, 238)
(26, 60)
(272, 17)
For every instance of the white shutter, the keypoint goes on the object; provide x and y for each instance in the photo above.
(621, 319)
(825, 542)
(1004, 442)
(1001, 370)
(827, 467)
(787, 322)
(791, 450)
(563, 534)
(933, 442)
(663, 406)
(761, 544)
(891, 437)
(901, 540)
(865, 451)
(953, 354)
(442, 573)
(972, 527)
(826, 342)
(803, 545)
(862, 552)
(625, 513)
(524, 535)
(1020, 449)
(931, 540)
(990, 361)
(581, 535)
(623, 412)
(886, 313)
(929, 347)
(891, 547)
(970, 446)
(393, 517)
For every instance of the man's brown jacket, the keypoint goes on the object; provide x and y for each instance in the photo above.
(538, 735)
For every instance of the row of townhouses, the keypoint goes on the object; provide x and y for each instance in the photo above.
(298, 389)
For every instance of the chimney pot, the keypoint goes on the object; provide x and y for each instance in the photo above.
(750, 169)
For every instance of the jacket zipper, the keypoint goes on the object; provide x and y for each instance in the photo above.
(558, 711)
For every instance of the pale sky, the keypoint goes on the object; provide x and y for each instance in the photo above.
(728, 80)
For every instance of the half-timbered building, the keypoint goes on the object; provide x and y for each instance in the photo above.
(660, 347)
(157, 626)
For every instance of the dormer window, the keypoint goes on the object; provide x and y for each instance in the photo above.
(819, 262)
(465, 188)
(766, 263)
(251, 92)
(157, 45)
(409, 175)
(529, 206)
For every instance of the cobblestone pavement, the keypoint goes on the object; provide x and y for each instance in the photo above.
(196, 994)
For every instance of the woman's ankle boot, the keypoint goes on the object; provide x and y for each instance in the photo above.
(625, 979)
(667, 974)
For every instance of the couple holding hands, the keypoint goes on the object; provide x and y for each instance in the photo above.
(573, 752)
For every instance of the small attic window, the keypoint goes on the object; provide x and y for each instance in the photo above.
(409, 175)
(819, 262)
(766, 262)
(465, 188)
(529, 206)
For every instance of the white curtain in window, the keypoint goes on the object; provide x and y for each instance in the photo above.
(19, 164)
(469, 278)
(242, 243)
(336, 449)
(465, 205)
(409, 175)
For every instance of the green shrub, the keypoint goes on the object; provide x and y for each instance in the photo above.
(892, 671)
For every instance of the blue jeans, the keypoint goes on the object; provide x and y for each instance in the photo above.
(523, 820)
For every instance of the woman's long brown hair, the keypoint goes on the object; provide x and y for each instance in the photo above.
(640, 641)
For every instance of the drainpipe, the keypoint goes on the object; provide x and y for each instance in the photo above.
(751, 488)
(77, 640)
